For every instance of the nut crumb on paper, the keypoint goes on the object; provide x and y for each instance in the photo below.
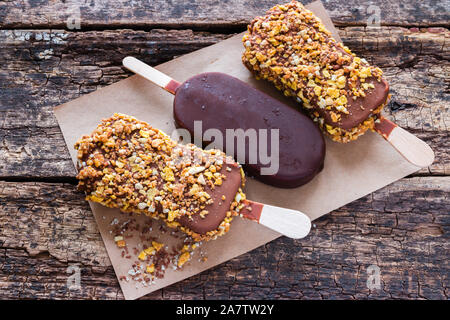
(151, 257)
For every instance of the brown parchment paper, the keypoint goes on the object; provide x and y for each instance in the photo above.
(351, 170)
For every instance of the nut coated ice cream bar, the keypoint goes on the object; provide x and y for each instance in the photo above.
(127, 164)
(291, 48)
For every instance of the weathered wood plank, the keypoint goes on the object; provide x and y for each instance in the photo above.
(47, 227)
(42, 234)
(41, 69)
(416, 63)
(205, 14)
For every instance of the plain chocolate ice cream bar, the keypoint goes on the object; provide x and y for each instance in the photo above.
(222, 102)
(127, 164)
(291, 48)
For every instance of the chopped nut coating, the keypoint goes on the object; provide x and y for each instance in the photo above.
(121, 166)
(291, 48)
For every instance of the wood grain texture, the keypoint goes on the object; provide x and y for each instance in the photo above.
(205, 14)
(48, 226)
(42, 69)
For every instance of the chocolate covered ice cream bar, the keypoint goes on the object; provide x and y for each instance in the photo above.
(127, 164)
(222, 103)
(291, 48)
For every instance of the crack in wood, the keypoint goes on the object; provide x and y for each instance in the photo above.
(219, 16)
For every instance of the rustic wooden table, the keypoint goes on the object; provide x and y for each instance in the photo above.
(46, 226)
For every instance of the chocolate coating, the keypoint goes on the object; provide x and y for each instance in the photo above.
(374, 99)
(218, 209)
(224, 102)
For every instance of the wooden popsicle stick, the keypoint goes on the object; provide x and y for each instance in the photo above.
(291, 223)
(408, 145)
(149, 73)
